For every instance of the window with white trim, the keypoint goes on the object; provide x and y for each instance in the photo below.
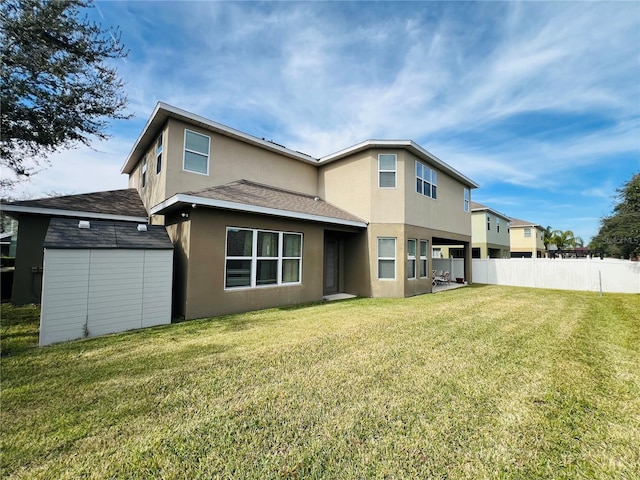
(159, 154)
(387, 164)
(467, 199)
(424, 248)
(426, 181)
(411, 258)
(497, 225)
(527, 232)
(386, 258)
(488, 222)
(144, 173)
(256, 258)
(196, 152)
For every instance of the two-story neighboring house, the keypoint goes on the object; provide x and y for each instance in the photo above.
(257, 225)
(490, 232)
(527, 239)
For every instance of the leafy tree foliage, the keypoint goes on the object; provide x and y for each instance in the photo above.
(619, 233)
(57, 91)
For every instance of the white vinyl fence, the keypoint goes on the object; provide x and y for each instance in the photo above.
(455, 266)
(608, 275)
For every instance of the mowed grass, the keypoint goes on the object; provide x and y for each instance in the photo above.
(479, 382)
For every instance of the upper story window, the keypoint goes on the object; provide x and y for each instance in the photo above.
(196, 152)
(488, 222)
(159, 154)
(426, 181)
(387, 163)
(144, 173)
(467, 199)
(527, 232)
(497, 225)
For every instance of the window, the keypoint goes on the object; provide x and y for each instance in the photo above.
(144, 173)
(488, 222)
(159, 154)
(467, 198)
(411, 258)
(527, 232)
(386, 258)
(196, 152)
(387, 170)
(497, 225)
(426, 181)
(475, 252)
(423, 258)
(257, 258)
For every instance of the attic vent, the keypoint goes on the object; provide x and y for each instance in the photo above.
(84, 224)
(142, 227)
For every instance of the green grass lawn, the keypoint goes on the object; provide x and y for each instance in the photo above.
(480, 382)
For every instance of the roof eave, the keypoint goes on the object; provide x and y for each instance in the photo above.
(163, 111)
(195, 201)
(405, 144)
(56, 212)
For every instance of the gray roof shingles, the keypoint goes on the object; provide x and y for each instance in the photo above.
(65, 233)
(256, 194)
(125, 202)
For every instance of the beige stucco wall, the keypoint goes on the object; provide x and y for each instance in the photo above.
(533, 244)
(204, 279)
(446, 212)
(229, 160)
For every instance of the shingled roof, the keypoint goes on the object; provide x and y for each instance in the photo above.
(66, 233)
(113, 204)
(254, 197)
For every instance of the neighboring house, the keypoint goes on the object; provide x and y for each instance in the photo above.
(490, 232)
(257, 225)
(33, 221)
(489, 236)
(527, 239)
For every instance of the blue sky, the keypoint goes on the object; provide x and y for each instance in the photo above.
(538, 102)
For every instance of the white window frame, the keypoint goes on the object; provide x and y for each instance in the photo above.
(423, 258)
(394, 171)
(527, 232)
(497, 225)
(159, 149)
(254, 258)
(395, 250)
(185, 150)
(488, 222)
(467, 199)
(432, 180)
(143, 175)
(411, 259)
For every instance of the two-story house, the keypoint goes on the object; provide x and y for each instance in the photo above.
(257, 225)
(527, 239)
(490, 232)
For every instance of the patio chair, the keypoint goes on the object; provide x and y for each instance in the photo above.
(444, 277)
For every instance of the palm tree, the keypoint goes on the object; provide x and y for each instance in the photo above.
(547, 237)
(566, 239)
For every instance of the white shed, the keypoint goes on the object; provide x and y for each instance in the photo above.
(104, 277)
